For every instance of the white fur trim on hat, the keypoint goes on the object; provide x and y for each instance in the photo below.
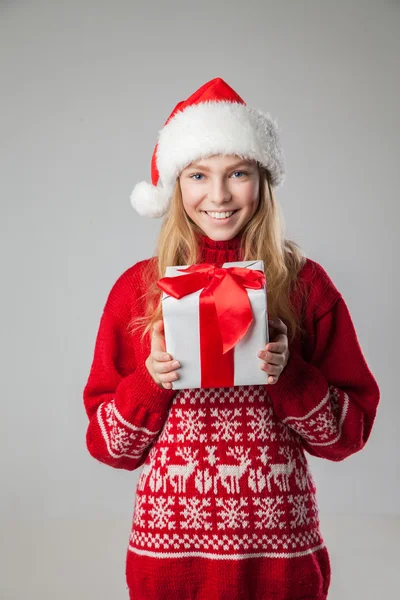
(210, 128)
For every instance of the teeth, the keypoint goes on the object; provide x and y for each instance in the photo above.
(220, 215)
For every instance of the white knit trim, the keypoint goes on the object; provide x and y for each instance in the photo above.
(221, 556)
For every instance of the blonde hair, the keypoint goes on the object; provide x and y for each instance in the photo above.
(262, 238)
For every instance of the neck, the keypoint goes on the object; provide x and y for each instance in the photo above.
(219, 251)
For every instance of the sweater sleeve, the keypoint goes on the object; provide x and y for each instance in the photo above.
(125, 406)
(331, 401)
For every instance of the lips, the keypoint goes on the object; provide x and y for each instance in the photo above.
(221, 211)
(220, 219)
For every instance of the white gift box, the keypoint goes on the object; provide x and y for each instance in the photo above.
(182, 333)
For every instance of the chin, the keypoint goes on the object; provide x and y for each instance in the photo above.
(221, 236)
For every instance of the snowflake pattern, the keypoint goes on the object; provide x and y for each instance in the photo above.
(269, 513)
(325, 425)
(191, 423)
(226, 424)
(232, 514)
(262, 423)
(194, 514)
(160, 513)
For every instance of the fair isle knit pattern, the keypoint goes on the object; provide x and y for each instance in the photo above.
(226, 505)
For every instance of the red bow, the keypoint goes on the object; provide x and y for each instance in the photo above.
(225, 313)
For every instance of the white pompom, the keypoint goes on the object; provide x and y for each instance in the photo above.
(149, 200)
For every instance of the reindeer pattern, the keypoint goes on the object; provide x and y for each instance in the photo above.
(223, 461)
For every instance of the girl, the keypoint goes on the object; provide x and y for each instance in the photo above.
(225, 505)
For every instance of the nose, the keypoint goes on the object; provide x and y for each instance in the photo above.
(220, 193)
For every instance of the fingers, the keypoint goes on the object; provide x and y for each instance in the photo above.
(162, 364)
(271, 368)
(280, 339)
(166, 366)
(278, 325)
(166, 378)
(277, 347)
(163, 374)
(274, 359)
(273, 371)
(157, 337)
(160, 356)
(274, 355)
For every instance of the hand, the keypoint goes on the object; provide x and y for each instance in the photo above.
(159, 364)
(276, 353)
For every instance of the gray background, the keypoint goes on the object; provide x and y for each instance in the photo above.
(85, 87)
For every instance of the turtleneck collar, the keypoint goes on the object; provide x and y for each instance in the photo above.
(219, 251)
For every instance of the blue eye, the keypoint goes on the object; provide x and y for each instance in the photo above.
(201, 175)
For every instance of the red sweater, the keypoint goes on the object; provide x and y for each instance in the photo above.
(226, 505)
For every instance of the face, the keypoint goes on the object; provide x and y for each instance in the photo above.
(220, 194)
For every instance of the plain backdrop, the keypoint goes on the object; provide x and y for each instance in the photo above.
(85, 87)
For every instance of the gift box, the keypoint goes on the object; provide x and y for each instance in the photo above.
(215, 322)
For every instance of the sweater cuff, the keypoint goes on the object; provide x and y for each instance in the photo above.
(139, 390)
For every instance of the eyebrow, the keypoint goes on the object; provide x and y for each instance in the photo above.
(205, 168)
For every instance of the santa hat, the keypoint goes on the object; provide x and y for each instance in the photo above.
(213, 120)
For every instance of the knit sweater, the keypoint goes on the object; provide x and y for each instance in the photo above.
(226, 505)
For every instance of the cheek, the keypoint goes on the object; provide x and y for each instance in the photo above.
(189, 204)
(252, 198)
(190, 199)
(256, 195)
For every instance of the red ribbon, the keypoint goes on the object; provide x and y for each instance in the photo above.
(225, 313)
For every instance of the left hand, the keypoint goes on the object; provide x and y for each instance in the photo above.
(276, 353)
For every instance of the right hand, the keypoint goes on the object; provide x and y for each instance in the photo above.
(161, 365)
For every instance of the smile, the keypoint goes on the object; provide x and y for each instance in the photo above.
(220, 216)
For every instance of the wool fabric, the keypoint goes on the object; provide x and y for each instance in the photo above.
(226, 506)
